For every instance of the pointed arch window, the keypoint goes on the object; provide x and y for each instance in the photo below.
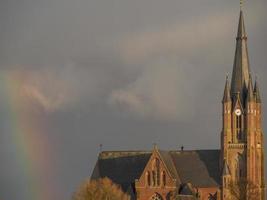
(148, 178)
(156, 172)
(238, 122)
(163, 178)
(153, 178)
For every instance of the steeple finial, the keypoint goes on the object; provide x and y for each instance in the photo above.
(241, 4)
(155, 146)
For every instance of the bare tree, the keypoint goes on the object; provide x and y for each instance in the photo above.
(101, 189)
(243, 190)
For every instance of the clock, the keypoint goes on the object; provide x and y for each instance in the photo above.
(238, 112)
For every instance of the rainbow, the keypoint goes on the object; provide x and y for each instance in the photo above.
(33, 147)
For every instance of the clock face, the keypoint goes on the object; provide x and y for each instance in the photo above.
(238, 112)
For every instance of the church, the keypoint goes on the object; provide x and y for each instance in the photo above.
(202, 174)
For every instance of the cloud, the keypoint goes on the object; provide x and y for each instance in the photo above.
(159, 92)
(47, 102)
(60, 87)
(127, 99)
(184, 38)
(40, 87)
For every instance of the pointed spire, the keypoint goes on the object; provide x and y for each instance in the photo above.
(257, 91)
(226, 95)
(241, 33)
(250, 95)
(240, 75)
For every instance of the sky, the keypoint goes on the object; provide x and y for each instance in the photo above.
(122, 73)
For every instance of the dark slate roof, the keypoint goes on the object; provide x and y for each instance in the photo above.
(169, 163)
(201, 167)
(122, 167)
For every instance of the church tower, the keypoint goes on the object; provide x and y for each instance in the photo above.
(242, 155)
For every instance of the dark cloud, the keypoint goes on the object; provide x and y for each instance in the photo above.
(113, 72)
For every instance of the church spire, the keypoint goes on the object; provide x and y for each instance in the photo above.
(226, 94)
(240, 75)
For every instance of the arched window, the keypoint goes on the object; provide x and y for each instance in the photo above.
(238, 126)
(163, 178)
(153, 178)
(156, 169)
(148, 178)
(158, 177)
(238, 122)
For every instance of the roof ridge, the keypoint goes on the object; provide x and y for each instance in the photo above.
(117, 151)
(194, 150)
(150, 151)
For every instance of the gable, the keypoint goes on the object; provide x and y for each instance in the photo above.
(159, 171)
(238, 104)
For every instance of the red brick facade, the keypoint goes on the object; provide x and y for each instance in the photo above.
(156, 180)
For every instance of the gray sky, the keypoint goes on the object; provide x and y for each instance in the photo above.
(74, 74)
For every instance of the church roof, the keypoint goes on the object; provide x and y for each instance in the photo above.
(200, 168)
(166, 156)
(122, 167)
